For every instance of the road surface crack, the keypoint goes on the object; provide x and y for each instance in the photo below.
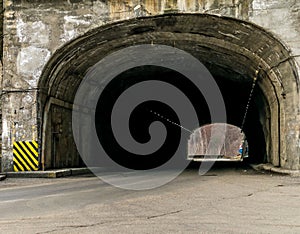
(164, 214)
(74, 227)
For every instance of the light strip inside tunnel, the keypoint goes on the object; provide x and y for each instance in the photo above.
(168, 120)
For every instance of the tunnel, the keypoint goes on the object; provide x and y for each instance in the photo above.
(233, 51)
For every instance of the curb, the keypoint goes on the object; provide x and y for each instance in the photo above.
(48, 174)
(271, 168)
(2, 177)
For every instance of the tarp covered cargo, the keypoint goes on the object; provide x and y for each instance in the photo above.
(217, 141)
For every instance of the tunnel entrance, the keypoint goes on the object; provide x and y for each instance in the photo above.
(232, 50)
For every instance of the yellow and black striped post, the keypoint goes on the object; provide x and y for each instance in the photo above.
(25, 156)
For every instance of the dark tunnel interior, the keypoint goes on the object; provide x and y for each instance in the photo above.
(235, 94)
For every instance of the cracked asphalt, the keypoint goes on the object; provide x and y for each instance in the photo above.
(228, 199)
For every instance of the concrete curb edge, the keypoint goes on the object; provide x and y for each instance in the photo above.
(48, 174)
(271, 168)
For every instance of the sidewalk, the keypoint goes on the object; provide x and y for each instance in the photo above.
(271, 168)
(57, 173)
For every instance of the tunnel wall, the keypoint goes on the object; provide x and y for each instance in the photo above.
(34, 30)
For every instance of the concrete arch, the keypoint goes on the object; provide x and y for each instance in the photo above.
(233, 50)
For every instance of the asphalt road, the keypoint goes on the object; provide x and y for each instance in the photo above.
(226, 200)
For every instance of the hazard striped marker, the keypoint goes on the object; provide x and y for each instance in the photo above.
(25, 156)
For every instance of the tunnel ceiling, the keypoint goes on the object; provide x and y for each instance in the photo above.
(229, 48)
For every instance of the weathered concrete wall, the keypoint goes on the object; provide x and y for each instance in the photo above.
(34, 30)
(282, 18)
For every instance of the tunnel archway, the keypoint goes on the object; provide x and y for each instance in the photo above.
(231, 49)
